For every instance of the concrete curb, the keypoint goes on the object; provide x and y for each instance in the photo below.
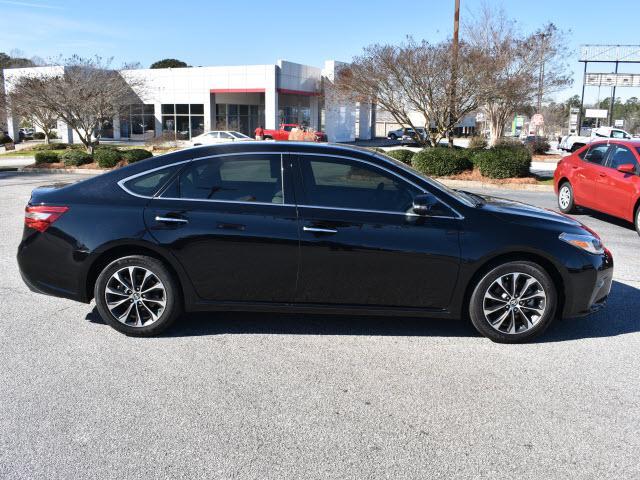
(78, 171)
(495, 186)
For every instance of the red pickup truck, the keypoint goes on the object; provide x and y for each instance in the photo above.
(285, 129)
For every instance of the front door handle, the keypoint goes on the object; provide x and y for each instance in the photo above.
(170, 219)
(319, 230)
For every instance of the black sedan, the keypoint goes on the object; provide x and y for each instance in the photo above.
(308, 228)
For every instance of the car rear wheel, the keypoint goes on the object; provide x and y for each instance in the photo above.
(566, 202)
(637, 220)
(513, 302)
(137, 296)
(393, 136)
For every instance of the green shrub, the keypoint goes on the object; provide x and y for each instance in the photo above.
(75, 158)
(504, 161)
(507, 142)
(39, 136)
(49, 146)
(403, 155)
(5, 139)
(477, 143)
(52, 134)
(106, 147)
(135, 154)
(376, 149)
(441, 161)
(46, 157)
(106, 157)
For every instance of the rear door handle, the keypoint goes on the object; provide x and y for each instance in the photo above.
(170, 219)
(319, 230)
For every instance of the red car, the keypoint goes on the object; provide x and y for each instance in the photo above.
(603, 176)
(285, 129)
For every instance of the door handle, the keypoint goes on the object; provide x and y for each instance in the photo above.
(170, 219)
(319, 230)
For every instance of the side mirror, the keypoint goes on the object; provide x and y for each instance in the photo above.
(423, 204)
(627, 168)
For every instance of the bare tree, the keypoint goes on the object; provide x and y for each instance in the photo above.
(87, 93)
(24, 100)
(510, 75)
(414, 78)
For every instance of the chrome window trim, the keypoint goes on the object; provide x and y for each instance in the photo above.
(121, 183)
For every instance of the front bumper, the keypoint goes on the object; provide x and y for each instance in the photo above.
(588, 290)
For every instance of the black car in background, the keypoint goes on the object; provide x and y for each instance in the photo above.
(308, 228)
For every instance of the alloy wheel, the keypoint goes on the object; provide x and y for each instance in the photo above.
(564, 197)
(514, 303)
(135, 296)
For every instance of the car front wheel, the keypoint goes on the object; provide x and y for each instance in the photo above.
(637, 222)
(393, 136)
(137, 296)
(566, 202)
(514, 302)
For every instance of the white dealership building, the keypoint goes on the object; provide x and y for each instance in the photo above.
(188, 101)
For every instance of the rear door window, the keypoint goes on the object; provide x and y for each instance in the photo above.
(597, 154)
(150, 183)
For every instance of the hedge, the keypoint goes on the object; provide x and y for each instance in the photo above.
(75, 158)
(504, 161)
(135, 154)
(441, 161)
(5, 139)
(106, 157)
(46, 157)
(403, 155)
(539, 146)
(50, 146)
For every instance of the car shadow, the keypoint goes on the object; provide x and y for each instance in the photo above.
(605, 218)
(618, 318)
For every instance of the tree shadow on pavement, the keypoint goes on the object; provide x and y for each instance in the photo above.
(619, 317)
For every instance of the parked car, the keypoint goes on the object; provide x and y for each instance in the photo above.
(401, 133)
(305, 227)
(285, 130)
(219, 136)
(572, 143)
(603, 176)
(410, 138)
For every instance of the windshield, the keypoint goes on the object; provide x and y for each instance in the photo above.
(463, 197)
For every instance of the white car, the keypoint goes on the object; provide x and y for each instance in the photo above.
(219, 136)
(574, 142)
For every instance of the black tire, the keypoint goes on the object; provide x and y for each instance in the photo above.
(521, 332)
(637, 219)
(393, 136)
(566, 200)
(171, 295)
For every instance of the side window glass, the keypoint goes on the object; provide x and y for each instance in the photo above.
(242, 178)
(331, 182)
(617, 134)
(621, 156)
(597, 154)
(150, 183)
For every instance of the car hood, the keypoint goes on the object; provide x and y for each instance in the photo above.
(514, 211)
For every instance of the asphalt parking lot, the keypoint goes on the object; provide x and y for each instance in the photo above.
(291, 396)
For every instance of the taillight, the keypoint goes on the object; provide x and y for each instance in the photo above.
(41, 217)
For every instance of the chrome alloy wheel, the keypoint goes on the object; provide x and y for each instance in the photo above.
(514, 303)
(564, 197)
(135, 296)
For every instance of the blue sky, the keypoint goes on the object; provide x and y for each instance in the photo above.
(246, 32)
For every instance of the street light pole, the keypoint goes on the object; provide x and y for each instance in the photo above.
(454, 69)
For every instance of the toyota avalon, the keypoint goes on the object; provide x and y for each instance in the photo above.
(306, 228)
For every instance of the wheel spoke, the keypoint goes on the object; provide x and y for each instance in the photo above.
(111, 291)
(539, 311)
(512, 325)
(117, 303)
(154, 317)
(526, 319)
(119, 279)
(490, 296)
(162, 303)
(539, 294)
(501, 318)
(514, 280)
(125, 315)
(154, 287)
(530, 281)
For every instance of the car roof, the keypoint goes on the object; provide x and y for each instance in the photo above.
(633, 142)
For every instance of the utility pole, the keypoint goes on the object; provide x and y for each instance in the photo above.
(541, 73)
(454, 69)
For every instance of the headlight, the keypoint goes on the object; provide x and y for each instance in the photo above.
(588, 243)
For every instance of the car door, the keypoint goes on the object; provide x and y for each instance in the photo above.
(618, 190)
(362, 244)
(233, 227)
(588, 173)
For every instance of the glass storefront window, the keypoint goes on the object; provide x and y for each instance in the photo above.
(197, 109)
(197, 125)
(182, 124)
(242, 118)
(167, 108)
(182, 109)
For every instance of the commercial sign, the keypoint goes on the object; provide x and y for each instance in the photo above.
(619, 123)
(612, 79)
(537, 119)
(595, 113)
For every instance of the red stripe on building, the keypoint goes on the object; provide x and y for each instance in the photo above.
(237, 90)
